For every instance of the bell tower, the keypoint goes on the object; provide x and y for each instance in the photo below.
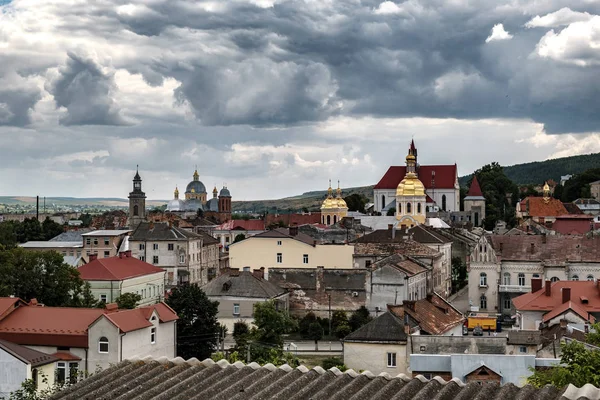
(137, 202)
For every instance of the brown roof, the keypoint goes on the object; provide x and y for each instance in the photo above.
(8, 304)
(549, 249)
(66, 356)
(537, 207)
(572, 208)
(434, 315)
(169, 379)
(402, 263)
(33, 357)
(405, 247)
(524, 337)
(242, 284)
(116, 268)
(387, 328)
(284, 233)
(445, 176)
(474, 189)
(423, 234)
(242, 225)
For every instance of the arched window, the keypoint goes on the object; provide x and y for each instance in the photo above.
(399, 208)
(103, 345)
(476, 223)
(444, 202)
(554, 279)
(334, 219)
(483, 302)
(383, 201)
(418, 208)
(575, 278)
(323, 220)
(521, 279)
(135, 210)
(408, 208)
(328, 220)
(590, 277)
(483, 279)
(507, 278)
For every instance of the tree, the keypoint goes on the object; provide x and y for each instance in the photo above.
(578, 186)
(42, 275)
(333, 362)
(197, 326)
(391, 212)
(128, 300)
(339, 317)
(271, 323)
(8, 236)
(86, 219)
(51, 229)
(356, 202)
(239, 237)
(459, 274)
(315, 332)
(558, 191)
(359, 318)
(342, 331)
(305, 322)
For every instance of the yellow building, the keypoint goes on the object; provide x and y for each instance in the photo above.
(410, 194)
(287, 248)
(335, 208)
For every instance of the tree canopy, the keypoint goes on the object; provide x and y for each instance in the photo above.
(42, 275)
(128, 300)
(271, 323)
(359, 318)
(197, 326)
(579, 185)
(13, 232)
(356, 202)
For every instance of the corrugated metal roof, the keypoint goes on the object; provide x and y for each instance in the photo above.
(50, 245)
(107, 232)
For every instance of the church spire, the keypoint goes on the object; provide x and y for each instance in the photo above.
(176, 193)
(196, 175)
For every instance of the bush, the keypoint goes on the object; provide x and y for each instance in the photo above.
(333, 362)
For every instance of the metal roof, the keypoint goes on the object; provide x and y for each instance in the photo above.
(107, 232)
(50, 245)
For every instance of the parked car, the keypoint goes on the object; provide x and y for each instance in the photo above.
(478, 331)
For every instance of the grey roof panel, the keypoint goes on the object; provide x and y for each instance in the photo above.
(385, 328)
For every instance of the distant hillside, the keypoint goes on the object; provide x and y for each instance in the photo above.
(539, 171)
(72, 201)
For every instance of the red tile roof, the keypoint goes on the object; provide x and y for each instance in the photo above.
(242, 225)
(7, 304)
(537, 207)
(434, 315)
(474, 189)
(445, 176)
(139, 318)
(66, 356)
(563, 308)
(550, 249)
(553, 304)
(116, 269)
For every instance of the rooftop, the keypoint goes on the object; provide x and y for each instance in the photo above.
(549, 249)
(444, 176)
(116, 268)
(402, 263)
(384, 241)
(34, 244)
(242, 225)
(538, 207)
(107, 232)
(71, 236)
(33, 357)
(169, 379)
(423, 234)
(434, 315)
(285, 233)
(161, 231)
(242, 284)
(386, 328)
(524, 337)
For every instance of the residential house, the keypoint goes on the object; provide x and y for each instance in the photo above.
(573, 224)
(171, 378)
(588, 206)
(72, 249)
(110, 277)
(595, 189)
(85, 339)
(228, 231)
(523, 342)
(393, 280)
(501, 266)
(287, 248)
(383, 243)
(574, 301)
(187, 257)
(104, 243)
(433, 239)
(542, 210)
(18, 364)
(378, 347)
(238, 291)
(431, 315)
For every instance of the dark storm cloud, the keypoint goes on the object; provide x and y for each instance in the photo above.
(86, 90)
(299, 61)
(16, 105)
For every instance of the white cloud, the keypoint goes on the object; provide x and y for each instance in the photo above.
(578, 43)
(564, 16)
(388, 7)
(498, 33)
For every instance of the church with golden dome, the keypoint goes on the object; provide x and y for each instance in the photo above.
(333, 208)
(410, 195)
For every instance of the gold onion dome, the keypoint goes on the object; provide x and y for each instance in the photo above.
(410, 185)
(330, 201)
(341, 203)
(176, 193)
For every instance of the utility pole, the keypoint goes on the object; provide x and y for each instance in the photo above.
(329, 298)
(248, 354)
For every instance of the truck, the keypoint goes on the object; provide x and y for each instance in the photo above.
(485, 321)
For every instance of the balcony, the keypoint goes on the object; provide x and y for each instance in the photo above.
(514, 289)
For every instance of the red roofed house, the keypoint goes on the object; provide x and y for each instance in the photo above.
(542, 210)
(440, 181)
(574, 301)
(85, 339)
(110, 277)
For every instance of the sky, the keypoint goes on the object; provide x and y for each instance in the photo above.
(274, 97)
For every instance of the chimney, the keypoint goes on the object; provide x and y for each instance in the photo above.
(293, 230)
(93, 257)
(314, 242)
(128, 253)
(548, 288)
(536, 284)
(151, 225)
(111, 307)
(566, 294)
(121, 254)
(33, 302)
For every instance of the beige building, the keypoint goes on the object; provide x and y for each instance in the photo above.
(103, 243)
(238, 291)
(287, 248)
(595, 189)
(378, 347)
(186, 256)
(73, 249)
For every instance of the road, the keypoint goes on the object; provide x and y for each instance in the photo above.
(304, 346)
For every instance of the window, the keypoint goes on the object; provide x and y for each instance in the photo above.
(103, 298)
(88, 241)
(522, 349)
(95, 241)
(155, 260)
(136, 210)
(155, 246)
(181, 258)
(142, 246)
(103, 345)
(236, 309)
(34, 377)
(483, 279)
(106, 253)
(227, 239)
(391, 360)
(554, 279)
(383, 202)
(142, 258)
(279, 243)
(106, 241)
(444, 202)
(536, 275)
(418, 208)
(279, 258)
(170, 246)
(408, 208)
(399, 208)
(152, 335)
(66, 371)
(521, 279)
(507, 278)
(483, 302)
(590, 277)
(61, 372)
(328, 220)
(507, 303)
(575, 278)
(247, 269)
(305, 259)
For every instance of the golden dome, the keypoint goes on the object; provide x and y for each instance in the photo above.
(176, 193)
(341, 203)
(330, 201)
(410, 186)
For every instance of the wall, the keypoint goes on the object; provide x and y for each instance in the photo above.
(387, 285)
(530, 319)
(12, 373)
(425, 344)
(225, 313)
(373, 357)
(516, 349)
(96, 245)
(150, 287)
(103, 328)
(137, 343)
(256, 252)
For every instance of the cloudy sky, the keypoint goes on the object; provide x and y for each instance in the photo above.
(274, 97)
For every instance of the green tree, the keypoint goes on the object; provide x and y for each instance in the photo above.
(51, 229)
(29, 229)
(343, 330)
(579, 185)
(128, 300)
(339, 317)
(239, 237)
(333, 362)
(197, 326)
(8, 236)
(271, 323)
(315, 332)
(305, 322)
(86, 219)
(558, 191)
(356, 202)
(42, 275)
(391, 212)
(359, 318)
(241, 335)
(459, 274)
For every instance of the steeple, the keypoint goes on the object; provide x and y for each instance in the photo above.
(137, 180)
(474, 189)
(176, 193)
(546, 193)
(339, 191)
(215, 192)
(196, 175)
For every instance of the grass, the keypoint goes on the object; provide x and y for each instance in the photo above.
(311, 361)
